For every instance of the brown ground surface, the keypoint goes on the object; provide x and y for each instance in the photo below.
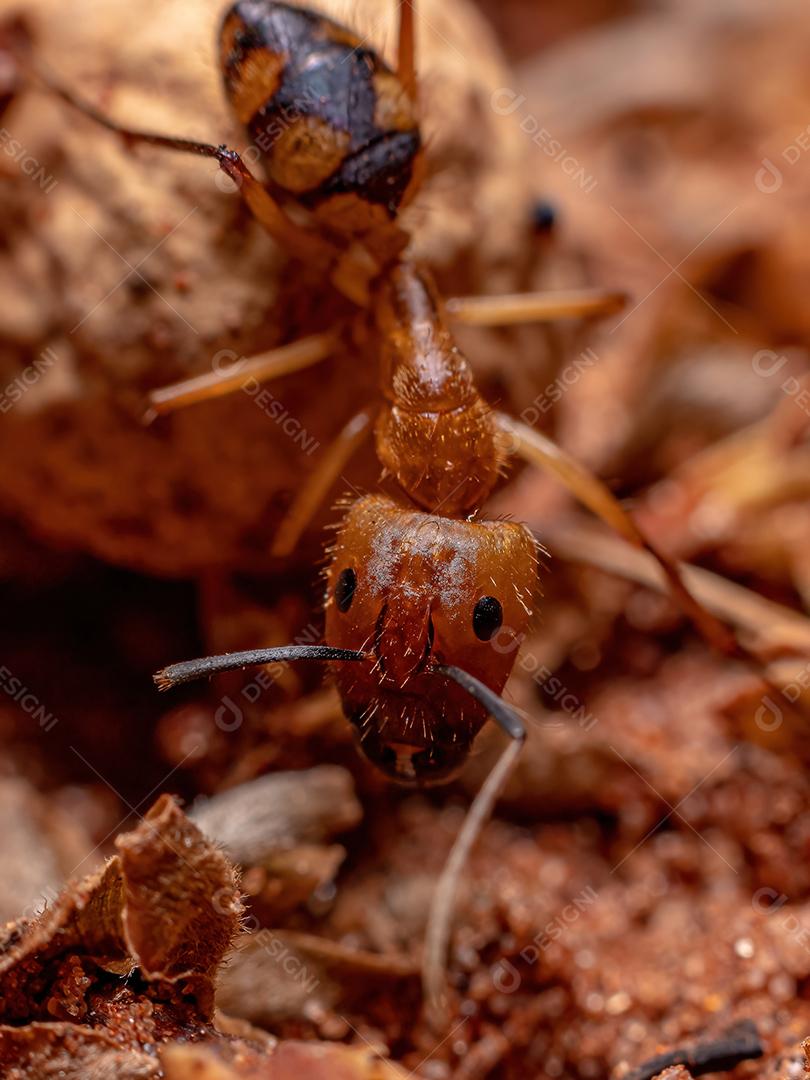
(645, 885)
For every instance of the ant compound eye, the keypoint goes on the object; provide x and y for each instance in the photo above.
(344, 589)
(544, 216)
(487, 617)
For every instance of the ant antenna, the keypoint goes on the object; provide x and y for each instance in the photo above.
(191, 670)
(39, 73)
(437, 933)
(504, 715)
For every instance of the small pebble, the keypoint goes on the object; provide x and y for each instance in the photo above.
(744, 947)
(618, 1003)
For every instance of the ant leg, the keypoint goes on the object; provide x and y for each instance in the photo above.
(273, 364)
(534, 307)
(316, 487)
(301, 242)
(406, 48)
(297, 240)
(437, 932)
(539, 450)
(350, 271)
(169, 142)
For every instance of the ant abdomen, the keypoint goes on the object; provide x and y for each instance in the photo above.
(337, 131)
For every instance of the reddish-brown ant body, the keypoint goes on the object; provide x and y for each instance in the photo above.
(338, 134)
(419, 591)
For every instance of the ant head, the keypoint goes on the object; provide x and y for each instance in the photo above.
(417, 593)
(336, 129)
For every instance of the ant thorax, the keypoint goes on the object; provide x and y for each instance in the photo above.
(436, 434)
(416, 591)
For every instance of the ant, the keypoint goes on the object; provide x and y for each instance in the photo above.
(426, 604)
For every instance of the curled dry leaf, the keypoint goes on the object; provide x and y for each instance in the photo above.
(116, 979)
(129, 953)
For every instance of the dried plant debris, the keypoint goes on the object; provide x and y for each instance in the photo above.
(122, 967)
(257, 821)
(291, 1060)
(276, 827)
(124, 959)
(741, 1043)
(71, 1052)
(281, 975)
(39, 847)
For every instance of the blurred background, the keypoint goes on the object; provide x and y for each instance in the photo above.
(646, 880)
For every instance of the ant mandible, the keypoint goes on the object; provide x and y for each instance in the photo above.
(419, 591)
